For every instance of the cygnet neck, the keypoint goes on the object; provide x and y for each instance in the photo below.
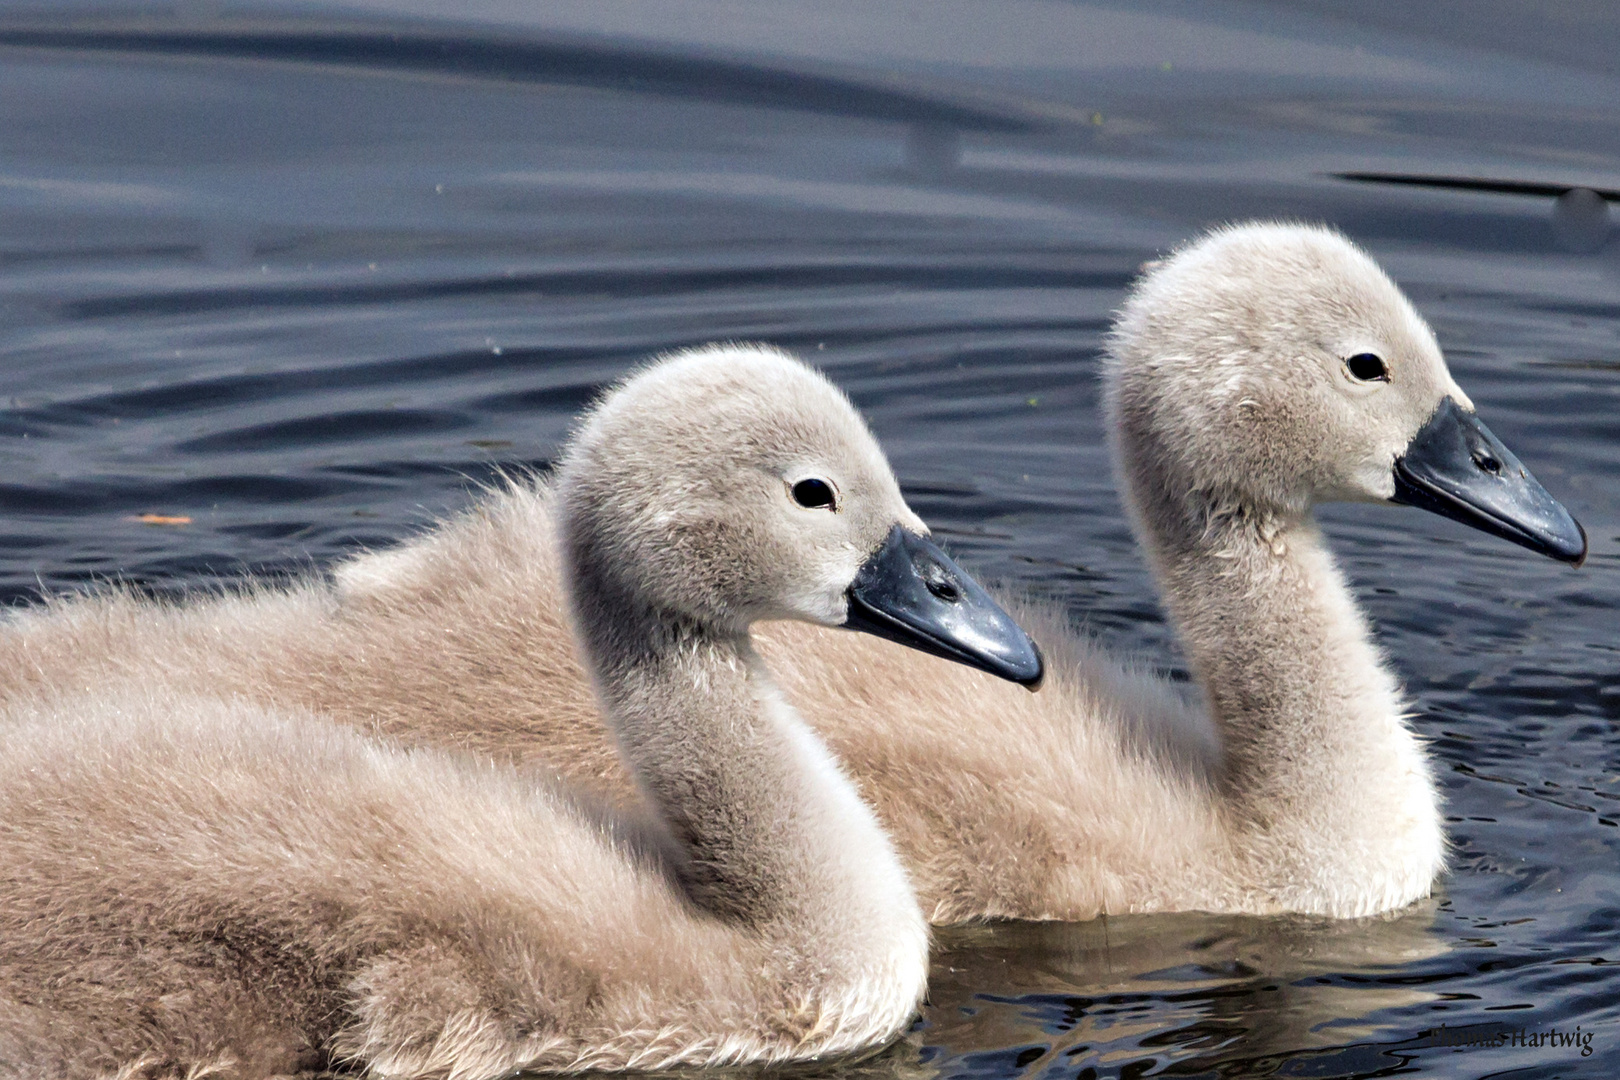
(771, 832)
(1318, 765)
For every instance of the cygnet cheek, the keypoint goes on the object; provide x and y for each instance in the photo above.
(1372, 479)
(824, 599)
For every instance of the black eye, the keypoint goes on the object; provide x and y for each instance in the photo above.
(1368, 367)
(814, 493)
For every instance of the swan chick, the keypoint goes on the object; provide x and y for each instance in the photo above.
(1255, 373)
(198, 885)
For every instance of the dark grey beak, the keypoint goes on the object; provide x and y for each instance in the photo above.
(911, 592)
(1456, 468)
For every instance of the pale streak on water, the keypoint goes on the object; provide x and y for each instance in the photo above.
(302, 274)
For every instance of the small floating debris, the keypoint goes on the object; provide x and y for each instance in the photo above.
(162, 519)
(1581, 220)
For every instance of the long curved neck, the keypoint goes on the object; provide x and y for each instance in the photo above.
(1329, 787)
(773, 833)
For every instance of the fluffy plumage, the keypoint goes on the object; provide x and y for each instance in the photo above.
(1291, 784)
(192, 881)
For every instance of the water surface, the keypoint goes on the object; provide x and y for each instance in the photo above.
(304, 275)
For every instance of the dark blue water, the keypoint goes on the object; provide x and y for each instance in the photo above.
(302, 274)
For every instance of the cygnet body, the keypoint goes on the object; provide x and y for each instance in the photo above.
(1255, 373)
(191, 884)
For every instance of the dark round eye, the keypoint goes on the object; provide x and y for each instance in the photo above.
(1368, 367)
(814, 493)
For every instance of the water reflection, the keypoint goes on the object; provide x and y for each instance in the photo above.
(303, 279)
(1187, 990)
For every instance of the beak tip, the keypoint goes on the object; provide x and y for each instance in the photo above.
(1564, 540)
(1033, 682)
(1576, 558)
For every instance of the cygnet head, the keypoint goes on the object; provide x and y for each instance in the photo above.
(733, 483)
(1274, 366)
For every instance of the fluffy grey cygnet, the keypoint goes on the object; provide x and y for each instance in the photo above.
(1256, 372)
(196, 886)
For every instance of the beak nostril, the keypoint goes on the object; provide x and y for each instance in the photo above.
(940, 584)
